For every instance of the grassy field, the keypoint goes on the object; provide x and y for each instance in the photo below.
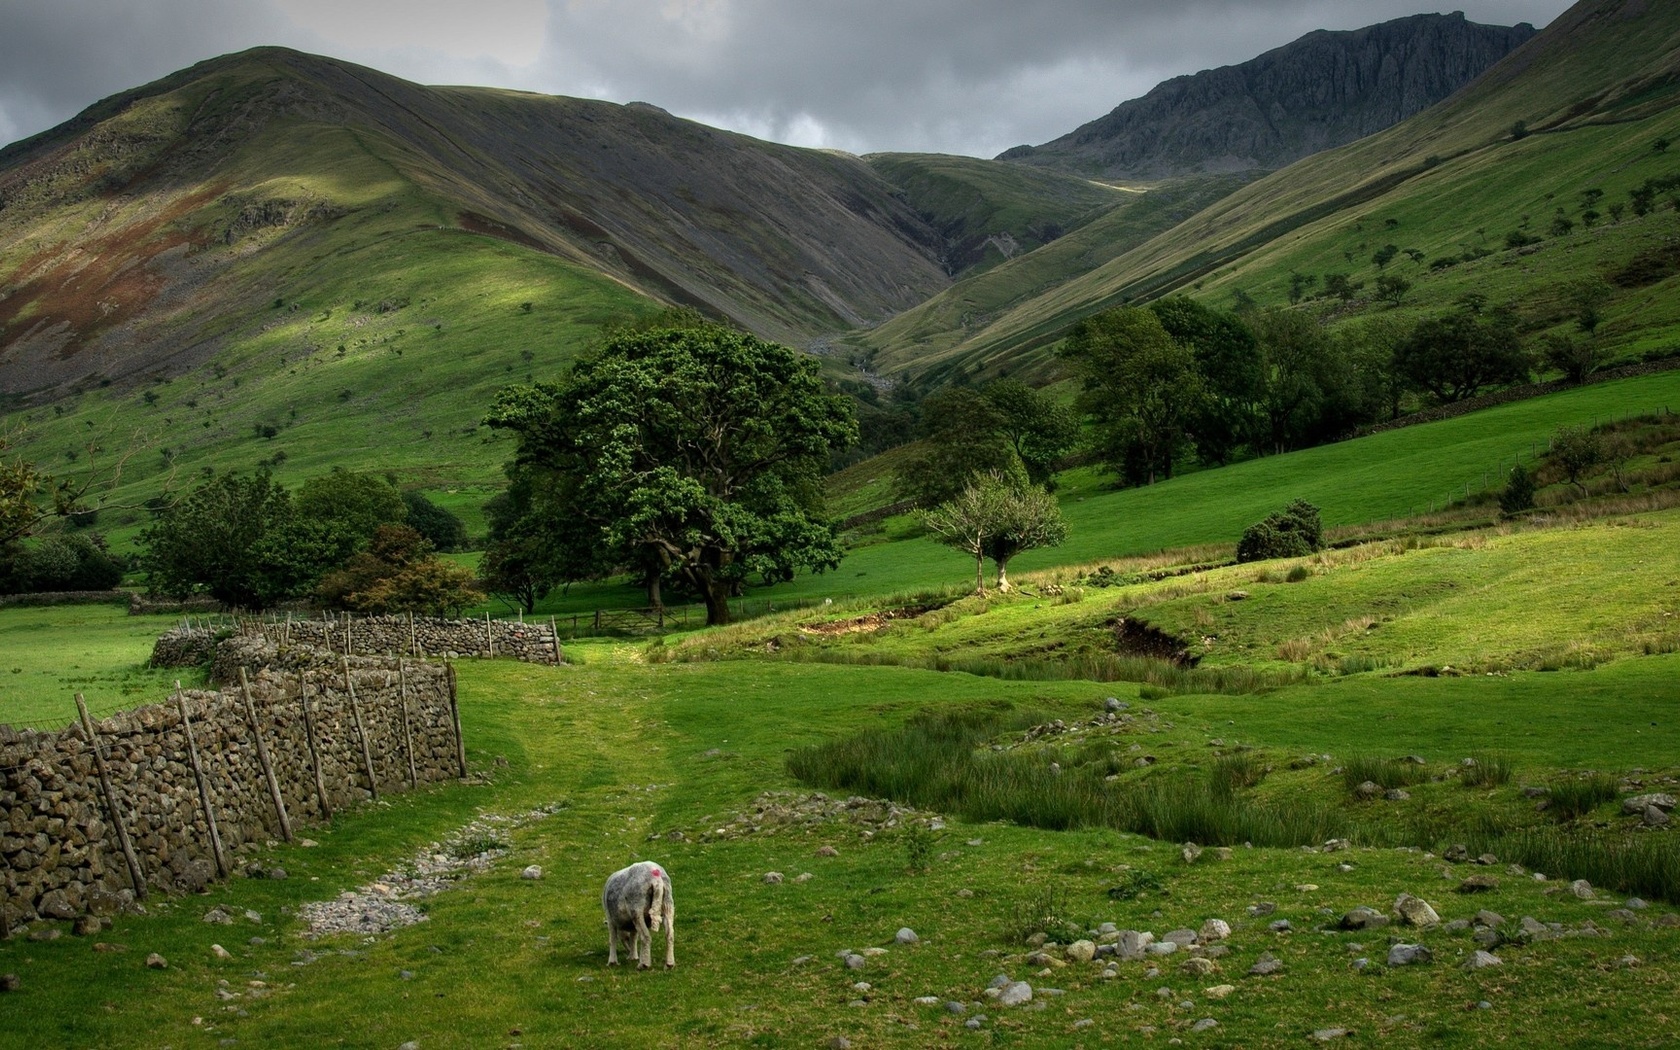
(664, 750)
(100, 651)
(623, 752)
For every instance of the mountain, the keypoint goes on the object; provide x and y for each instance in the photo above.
(136, 239)
(1324, 90)
(1583, 111)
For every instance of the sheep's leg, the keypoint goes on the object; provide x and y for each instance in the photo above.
(670, 937)
(612, 941)
(642, 945)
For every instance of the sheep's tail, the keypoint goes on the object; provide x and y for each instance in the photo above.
(656, 900)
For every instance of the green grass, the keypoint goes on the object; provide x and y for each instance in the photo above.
(100, 651)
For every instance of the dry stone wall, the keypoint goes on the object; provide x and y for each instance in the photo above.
(334, 730)
(421, 636)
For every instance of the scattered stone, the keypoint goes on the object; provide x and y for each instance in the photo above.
(1329, 1035)
(1081, 951)
(1397, 794)
(1363, 918)
(975, 1022)
(1161, 948)
(1368, 789)
(1457, 853)
(1487, 860)
(839, 1042)
(1219, 991)
(219, 952)
(854, 961)
(155, 961)
(1481, 960)
(1266, 965)
(1015, 993)
(772, 878)
(1415, 911)
(1199, 967)
(1654, 818)
(804, 877)
(1183, 938)
(1236, 596)
(533, 871)
(1280, 926)
(1134, 943)
(1264, 908)
(9, 982)
(1083, 1022)
(1213, 930)
(218, 916)
(954, 1007)
(801, 960)
(827, 851)
(1635, 903)
(1114, 703)
(1408, 954)
(101, 946)
(1581, 889)
(906, 935)
(50, 933)
(1190, 852)
(1628, 962)
(998, 983)
(1488, 918)
(1205, 1024)
(1478, 884)
(1336, 845)
(1638, 804)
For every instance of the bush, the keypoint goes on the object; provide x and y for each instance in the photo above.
(60, 563)
(1518, 495)
(1290, 533)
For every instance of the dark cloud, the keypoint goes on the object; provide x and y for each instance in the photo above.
(959, 76)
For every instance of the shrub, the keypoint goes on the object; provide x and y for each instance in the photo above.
(60, 563)
(1290, 533)
(1518, 494)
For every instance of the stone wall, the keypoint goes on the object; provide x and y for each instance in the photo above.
(421, 636)
(62, 852)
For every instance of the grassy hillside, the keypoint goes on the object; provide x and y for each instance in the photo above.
(1594, 92)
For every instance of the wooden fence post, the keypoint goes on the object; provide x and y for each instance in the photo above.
(413, 644)
(489, 637)
(361, 732)
(262, 757)
(314, 746)
(554, 636)
(135, 874)
(408, 734)
(203, 784)
(455, 717)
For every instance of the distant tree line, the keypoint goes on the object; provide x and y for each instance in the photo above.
(1179, 379)
(345, 540)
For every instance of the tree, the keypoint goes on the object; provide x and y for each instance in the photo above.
(962, 435)
(1576, 359)
(1029, 519)
(221, 539)
(517, 563)
(1303, 392)
(1392, 288)
(1140, 385)
(398, 572)
(1229, 362)
(1454, 357)
(1037, 429)
(691, 450)
(61, 563)
(997, 516)
(1576, 450)
(346, 507)
(1587, 298)
(1342, 286)
(442, 529)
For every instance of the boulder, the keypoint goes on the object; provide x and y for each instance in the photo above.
(1415, 911)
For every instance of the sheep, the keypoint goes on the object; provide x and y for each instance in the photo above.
(637, 901)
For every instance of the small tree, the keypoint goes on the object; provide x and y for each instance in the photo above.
(1392, 288)
(398, 573)
(1576, 450)
(1028, 519)
(220, 539)
(1575, 358)
(442, 529)
(966, 522)
(1518, 495)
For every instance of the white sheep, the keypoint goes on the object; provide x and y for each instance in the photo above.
(637, 901)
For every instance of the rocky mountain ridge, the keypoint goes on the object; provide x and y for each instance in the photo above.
(1321, 91)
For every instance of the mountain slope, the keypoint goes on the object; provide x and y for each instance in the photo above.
(140, 228)
(1324, 90)
(1592, 93)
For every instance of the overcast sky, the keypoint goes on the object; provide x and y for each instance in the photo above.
(949, 76)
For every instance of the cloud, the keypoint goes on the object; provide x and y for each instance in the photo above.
(959, 76)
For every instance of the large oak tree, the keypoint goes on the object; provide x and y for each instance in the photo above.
(690, 452)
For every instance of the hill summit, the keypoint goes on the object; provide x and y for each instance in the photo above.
(1324, 90)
